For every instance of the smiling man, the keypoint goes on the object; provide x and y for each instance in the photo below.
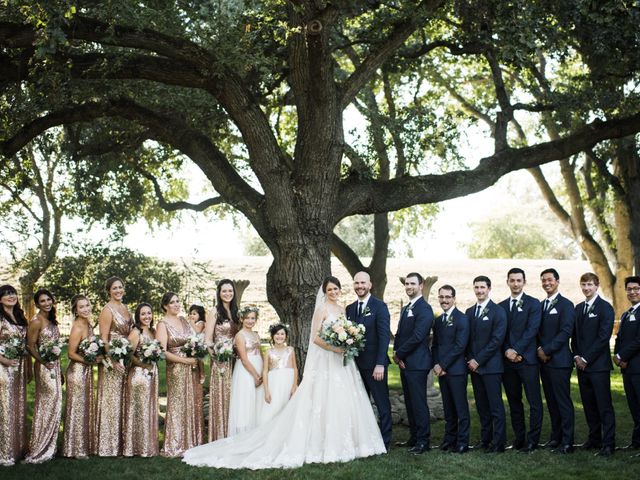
(556, 362)
(373, 360)
(484, 360)
(592, 356)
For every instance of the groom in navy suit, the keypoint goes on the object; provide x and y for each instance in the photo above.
(373, 360)
(412, 354)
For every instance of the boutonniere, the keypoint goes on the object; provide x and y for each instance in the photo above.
(632, 317)
(449, 321)
(484, 312)
(366, 311)
(552, 303)
(590, 310)
(519, 304)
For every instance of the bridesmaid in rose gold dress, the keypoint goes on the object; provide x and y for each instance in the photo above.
(115, 322)
(184, 419)
(47, 410)
(223, 325)
(141, 405)
(13, 381)
(79, 410)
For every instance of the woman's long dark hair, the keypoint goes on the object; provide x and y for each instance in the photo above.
(233, 306)
(20, 319)
(51, 316)
(136, 317)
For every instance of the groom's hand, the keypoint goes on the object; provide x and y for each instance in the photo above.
(378, 373)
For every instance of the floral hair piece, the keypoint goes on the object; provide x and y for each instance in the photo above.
(250, 309)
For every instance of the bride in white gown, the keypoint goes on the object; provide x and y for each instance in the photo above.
(329, 418)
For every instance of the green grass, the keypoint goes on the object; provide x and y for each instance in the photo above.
(395, 466)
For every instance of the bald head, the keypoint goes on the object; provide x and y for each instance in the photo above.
(362, 284)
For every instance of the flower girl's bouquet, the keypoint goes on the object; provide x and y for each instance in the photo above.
(195, 347)
(91, 348)
(51, 351)
(151, 352)
(343, 333)
(13, 347)
(119, 351)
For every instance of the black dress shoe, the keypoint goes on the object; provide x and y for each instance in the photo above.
(495, 449)
(631, 446)
(461, 449)
(445, 446)
(481, 446)
(419, 449)
(564, 449)
(387, 447)
(551, 444)
(532, 447)
(408, 443)
(604, 452)
(589, 445)
(516, 446)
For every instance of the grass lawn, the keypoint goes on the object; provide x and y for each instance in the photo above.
(398, 464)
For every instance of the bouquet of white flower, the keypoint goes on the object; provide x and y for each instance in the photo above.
(195, 347)
(223, 350)
(13, 347)
(343, 333)
(51, 351)
(119, 350)
(151, 352)
(91, 348)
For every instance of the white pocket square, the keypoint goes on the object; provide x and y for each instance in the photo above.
(591, 315)
(519, 309)
(553, 310)
(485, 318)
(410, 314)
(368, 315)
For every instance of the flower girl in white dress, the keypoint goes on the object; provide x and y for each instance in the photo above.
(279, 374)
(246, 384)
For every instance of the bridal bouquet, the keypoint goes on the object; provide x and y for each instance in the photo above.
(195, 347)
(51, 351)
(223, 350)
(91, 348)
(151, 352)
(119, 350)
(13, 347)
(343, 333)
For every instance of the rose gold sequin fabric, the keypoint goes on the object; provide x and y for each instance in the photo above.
(184, 419)
(220, 386)
(281, 358)
(110, 398)
(48, 405)
(13, 399)
(79, 419)
(141, 410)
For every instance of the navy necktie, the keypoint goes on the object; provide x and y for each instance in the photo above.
(478, 311)
(513, 304)
(359, 309)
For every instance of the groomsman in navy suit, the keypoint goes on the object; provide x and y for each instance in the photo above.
(484, 353)
(558, 317)
(592, 356)
(373, 360)
(627, 355)
(412, 354)
(521, 370)
(450, 338)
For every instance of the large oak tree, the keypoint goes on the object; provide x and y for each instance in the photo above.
(255, 94)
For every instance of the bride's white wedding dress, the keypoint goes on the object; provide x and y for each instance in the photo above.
(329, 419)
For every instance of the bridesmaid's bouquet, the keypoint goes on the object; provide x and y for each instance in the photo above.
(13, 347)
(195, 347)
(343, 333)
(151, 352)
(91, 348)
(51, 351)
(223, 350)
(119, 351)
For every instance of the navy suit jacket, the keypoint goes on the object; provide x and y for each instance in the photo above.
(486, 338)
(628, 342)
(450, 341)
(377, 334)
(555, 330)
(522, 329)
(592, 333)
(411, 344)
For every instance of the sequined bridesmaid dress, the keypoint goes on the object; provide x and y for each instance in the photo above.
(79, 419)
(140, 434)
(48, 404)
(110, 398)
(220, 385)
(184, 419)
(13, 400)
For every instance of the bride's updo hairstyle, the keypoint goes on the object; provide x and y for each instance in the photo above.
(328, 280)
